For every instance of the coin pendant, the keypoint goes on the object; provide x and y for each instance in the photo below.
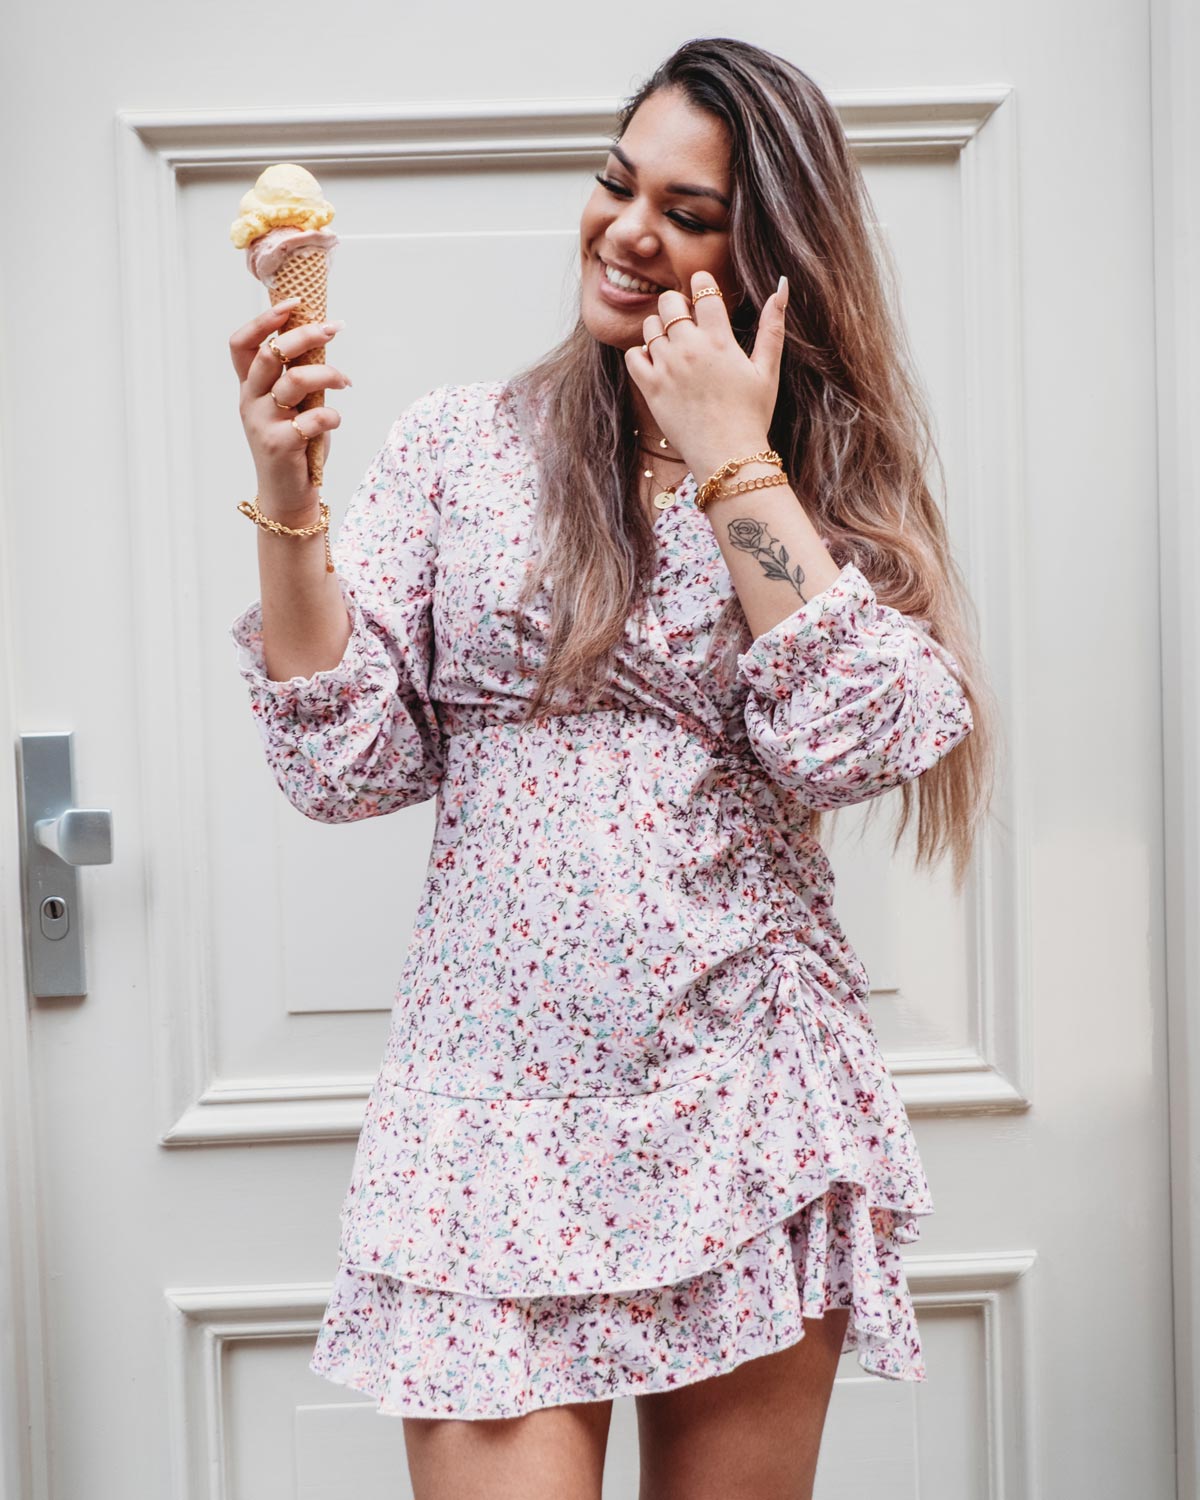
(663, 499)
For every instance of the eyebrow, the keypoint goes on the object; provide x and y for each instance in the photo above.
(688, 188)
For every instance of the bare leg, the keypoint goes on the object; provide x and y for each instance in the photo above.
(753, 1433)
(556, 1453)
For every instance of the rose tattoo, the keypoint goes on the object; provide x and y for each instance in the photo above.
(753, 536)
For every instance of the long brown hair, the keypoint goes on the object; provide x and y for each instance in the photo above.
(849, 422)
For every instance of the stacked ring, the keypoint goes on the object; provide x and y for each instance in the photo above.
(282, 405)
(705, 291)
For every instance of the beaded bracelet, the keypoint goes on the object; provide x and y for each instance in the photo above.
(250, 508)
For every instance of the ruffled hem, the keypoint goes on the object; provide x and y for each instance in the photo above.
(423, 1352)
(528, 1197)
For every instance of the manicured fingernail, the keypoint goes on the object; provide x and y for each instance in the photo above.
(335, 327)
(782, 287)
(287, 302)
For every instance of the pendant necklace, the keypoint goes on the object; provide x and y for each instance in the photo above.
(666, 496)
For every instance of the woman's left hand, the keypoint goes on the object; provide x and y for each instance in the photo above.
(711, 401)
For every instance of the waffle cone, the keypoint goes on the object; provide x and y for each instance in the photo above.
(305, 275)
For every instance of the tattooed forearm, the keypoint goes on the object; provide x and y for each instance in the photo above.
(754, 536)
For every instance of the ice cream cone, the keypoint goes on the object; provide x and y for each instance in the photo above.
(282, 227)
(305, 274)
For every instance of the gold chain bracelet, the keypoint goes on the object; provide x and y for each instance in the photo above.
(761, 482)
(250, 508)
(712, 484)
(711, 487)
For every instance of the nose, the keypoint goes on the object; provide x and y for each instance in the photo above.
(630, 237)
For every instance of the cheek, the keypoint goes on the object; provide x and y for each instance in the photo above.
(720, 264)
(591, 221)
(704, 256)
(726, 280)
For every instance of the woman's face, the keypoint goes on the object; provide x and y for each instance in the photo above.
(663, 214)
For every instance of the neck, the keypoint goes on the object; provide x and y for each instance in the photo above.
(649, 432)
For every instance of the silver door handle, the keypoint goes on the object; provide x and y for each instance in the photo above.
(56, 838)
(79, 836)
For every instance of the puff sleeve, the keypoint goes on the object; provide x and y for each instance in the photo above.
(848, 698)
(363, 738)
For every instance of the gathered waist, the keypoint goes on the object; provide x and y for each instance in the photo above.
(574, 724)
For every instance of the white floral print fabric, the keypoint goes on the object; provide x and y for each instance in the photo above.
(631, 1122)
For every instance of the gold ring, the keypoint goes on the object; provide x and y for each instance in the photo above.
(678, 318)
(651, 339)
(303, 435)
(283, 405)
(275, 349)
(708, 291)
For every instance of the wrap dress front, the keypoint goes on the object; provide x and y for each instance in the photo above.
(632, 1123)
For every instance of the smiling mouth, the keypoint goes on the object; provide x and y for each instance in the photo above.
(644, 286)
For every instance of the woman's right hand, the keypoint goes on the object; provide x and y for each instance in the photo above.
(280, 454)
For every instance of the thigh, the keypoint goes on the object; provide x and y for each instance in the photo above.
(754, 1431)
(555, 1453)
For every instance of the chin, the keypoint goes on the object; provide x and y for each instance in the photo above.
(609, 328)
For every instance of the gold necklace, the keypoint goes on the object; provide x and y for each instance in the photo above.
(666, 496)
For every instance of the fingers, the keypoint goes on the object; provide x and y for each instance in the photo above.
(245, 343)
(253, 350)
(638, 365)
(272, 390)
(319, 419)
(674, 304)
(652, 327)
(708, 311)
(678, 318)
(266, 366)
(298, 381)
(286, 437)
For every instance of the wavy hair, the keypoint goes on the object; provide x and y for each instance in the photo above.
(850, 421)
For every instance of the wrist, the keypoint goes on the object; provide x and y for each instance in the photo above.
(714, 455)
(290, 511)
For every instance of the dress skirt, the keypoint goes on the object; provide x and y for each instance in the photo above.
(421, 1352)
(794, 1197)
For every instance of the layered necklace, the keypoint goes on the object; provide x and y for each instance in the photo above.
(663, 497)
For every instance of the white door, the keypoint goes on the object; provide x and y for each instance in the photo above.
(180, 1138)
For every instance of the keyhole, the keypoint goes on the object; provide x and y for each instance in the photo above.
(54, 907)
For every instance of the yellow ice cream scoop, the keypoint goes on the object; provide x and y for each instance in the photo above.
(286, 195)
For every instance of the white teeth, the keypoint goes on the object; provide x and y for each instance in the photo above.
(630, 283)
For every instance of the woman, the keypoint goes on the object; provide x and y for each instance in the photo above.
(632, 1133)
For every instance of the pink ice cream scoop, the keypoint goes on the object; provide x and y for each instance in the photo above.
(266, 254)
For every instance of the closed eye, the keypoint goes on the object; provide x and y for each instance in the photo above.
(618, 191)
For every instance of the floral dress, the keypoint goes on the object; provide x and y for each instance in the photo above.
(631, 1124)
